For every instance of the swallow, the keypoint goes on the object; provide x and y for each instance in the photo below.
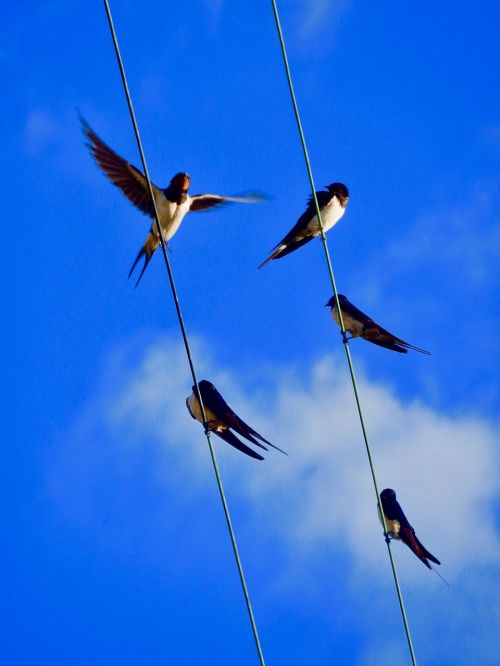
(360, 325)
(332, 204)
(221, 419)
(172, 202)
(398, 527)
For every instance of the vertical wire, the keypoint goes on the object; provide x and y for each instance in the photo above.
(185, 339)
(342, 328)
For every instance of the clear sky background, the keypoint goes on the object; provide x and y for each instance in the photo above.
(114, 543)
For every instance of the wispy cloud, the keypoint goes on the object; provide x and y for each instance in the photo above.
(453, 253)
(325, 482)
(318, 16)
(319, 502)
(40, 131)
(464, 238)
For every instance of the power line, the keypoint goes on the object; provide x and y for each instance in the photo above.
(185, 337)
(342, 327)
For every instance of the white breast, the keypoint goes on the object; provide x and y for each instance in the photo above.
(330, 215)
(353, 326)
(171, 215)
(195, 409)
(393, 526)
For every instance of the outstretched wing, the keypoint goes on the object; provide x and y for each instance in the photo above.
(120, 172)
(201, 202)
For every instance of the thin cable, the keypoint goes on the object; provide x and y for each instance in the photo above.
(345, 339)
(185, 338)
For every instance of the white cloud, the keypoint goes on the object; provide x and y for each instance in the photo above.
(321, 17)
(40, 131)
(464, 238)
(443, 467)
(318, 502)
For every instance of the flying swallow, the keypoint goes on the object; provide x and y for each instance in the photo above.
(360, 325)
(221, 419)
(172, 203)
(398, 527)
(332, 205)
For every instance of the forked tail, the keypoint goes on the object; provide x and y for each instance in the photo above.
(147, 251)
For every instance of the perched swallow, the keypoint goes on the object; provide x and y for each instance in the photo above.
(220, 418)
(360, 325)
(332, 206)
(398, 527)
(172, 203)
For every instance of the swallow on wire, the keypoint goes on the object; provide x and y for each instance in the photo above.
(332, 204)
(360, 325)
(172, 202)
(398, 527)
(221, 420)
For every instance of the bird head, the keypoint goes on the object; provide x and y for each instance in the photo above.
(340, 191)
(181, 181)
(332, 302)
(388, 494)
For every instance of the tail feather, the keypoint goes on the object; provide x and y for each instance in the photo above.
(430, 556)
(283, 249)
(253, 436)
(231, 438)
(424, 554)
(141, 253)
(147, 251)
(263, 439)
(388, 345)
(272, 256)
(417, 349)
(146, 262)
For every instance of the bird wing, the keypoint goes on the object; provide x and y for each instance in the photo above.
(189, 409)
(358, 315)
(231, 438)
(121, 173)
(201, 202)
(393, 511)
(216, 403)
(306, 217)
(408, 537)
(246, 431)
(375, 333)
(387, 344)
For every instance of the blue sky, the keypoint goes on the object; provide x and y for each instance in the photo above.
(115, 547)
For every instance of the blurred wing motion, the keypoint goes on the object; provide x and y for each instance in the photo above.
(121, 173)
(203, 202)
